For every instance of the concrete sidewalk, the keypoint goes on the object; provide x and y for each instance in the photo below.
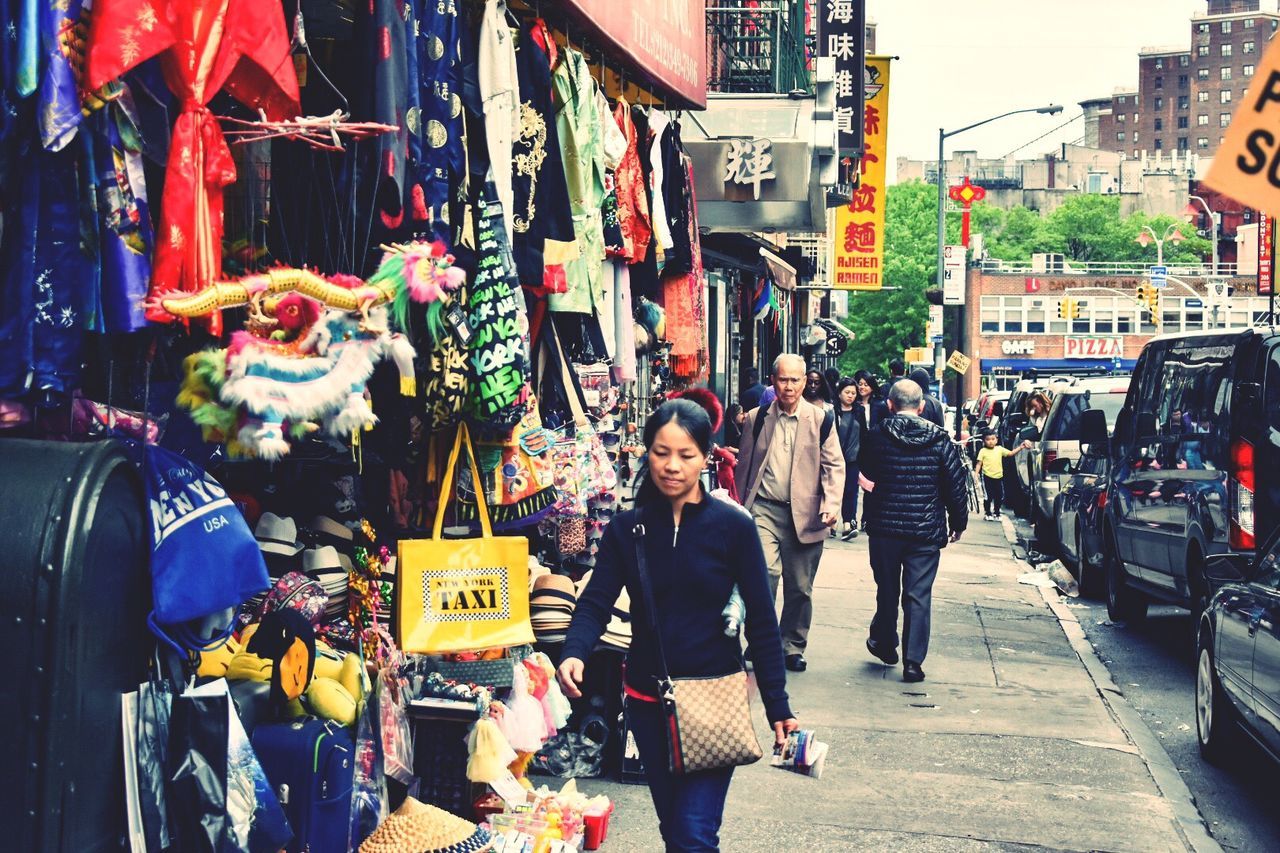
(1007, 745)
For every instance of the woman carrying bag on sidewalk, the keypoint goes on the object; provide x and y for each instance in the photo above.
(679, 554)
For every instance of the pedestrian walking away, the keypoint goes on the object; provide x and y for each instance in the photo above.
(791, 473)
(753, 390)
(696, 550)
(918, 501)
(991, 466)
(933, 410)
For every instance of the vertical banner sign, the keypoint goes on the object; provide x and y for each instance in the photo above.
(858, 241)
(1266, 255)
(842, 35)
(953, 275)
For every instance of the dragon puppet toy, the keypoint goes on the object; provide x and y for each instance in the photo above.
(311, 344)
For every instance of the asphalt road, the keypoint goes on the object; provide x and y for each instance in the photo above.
(1153, 664)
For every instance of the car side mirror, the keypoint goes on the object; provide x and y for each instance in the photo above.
(1146, 425)
(1219, 571)
(1061, 465)
(1017, 420)
(1250, 393)
(1093, 426)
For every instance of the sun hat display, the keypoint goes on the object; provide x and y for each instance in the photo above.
(551, 606)
(618, 632)
(420, 828)
(331, 569)
(277, 535)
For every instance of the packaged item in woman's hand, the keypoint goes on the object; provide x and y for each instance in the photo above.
(801, 753)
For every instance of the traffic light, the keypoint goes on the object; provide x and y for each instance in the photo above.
(1153, 302)
(1068, 308)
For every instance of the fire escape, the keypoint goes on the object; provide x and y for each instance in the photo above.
(758, 46)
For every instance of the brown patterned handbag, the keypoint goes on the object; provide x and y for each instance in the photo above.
(708, 717)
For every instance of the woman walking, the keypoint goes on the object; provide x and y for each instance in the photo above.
(870, 409)
(849, 429)
(816, 389)
(696, 550)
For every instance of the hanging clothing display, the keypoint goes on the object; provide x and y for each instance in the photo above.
(499, 82)
(582, 146)
(633, 200)
(434, 119)
(541, 215)
(204, 47)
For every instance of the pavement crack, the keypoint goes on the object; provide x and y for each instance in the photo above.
(986, 642)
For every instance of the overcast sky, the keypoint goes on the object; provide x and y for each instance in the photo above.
(961, 61)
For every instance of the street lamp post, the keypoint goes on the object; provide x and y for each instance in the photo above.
(943, 136)
(1215, 220)
(1171, 234)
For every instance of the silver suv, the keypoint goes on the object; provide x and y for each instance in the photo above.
(1050, 459)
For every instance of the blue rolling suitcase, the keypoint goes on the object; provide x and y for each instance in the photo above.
(311, 765)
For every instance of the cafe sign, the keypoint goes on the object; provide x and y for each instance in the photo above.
(1092, 346)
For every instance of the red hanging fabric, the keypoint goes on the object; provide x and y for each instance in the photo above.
(204, 46)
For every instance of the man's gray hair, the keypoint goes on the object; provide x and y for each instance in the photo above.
(787, 356)
(906, 396)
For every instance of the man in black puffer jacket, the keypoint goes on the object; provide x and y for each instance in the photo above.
(920, 490)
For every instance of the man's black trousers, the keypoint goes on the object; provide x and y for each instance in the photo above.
(903, 568)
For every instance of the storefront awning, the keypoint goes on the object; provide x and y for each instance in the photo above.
(1053, 365)
(784, 275)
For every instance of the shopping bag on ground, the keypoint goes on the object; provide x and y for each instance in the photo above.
(458, 595)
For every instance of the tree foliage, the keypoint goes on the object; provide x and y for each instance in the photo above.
(1086, 227)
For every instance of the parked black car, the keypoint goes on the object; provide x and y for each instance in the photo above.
(1078, 508)
(1238, 657)
(1191, 445)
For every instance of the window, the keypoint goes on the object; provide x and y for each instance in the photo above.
(1136, 153)
(1159, 124)
(1202, 96)
(1159, 82)
(1247, 47)
(1202, 142)
(1182, 122)
(1135, 136)
(1184, 101)
(1120, 117)
(1226, 27)
(1182, 143)
(1135, 118)
(1159, 143)
(1248, 23)
(1225, 72)
(1224, 97)
(1183, 81)
(1123, 99)
(1224, 119)
(1202, 120)
(1202, 50)
(1202, 73)
(1247, 71)
(1184, 60)
(1202, 28)
(1120, 136)
(1226, 50)
(1160, 63)
(1159, 104)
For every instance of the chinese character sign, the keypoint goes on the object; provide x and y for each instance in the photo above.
(750, 161)
(842, 36)
(1266, 255)
(858, 241)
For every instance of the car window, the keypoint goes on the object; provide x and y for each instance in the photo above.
(1065, 426)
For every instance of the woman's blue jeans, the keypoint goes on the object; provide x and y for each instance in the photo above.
(689, 807)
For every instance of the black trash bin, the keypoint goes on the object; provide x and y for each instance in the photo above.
(74, 549)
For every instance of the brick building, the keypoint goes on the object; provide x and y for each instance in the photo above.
(1012, 323)
(1185, 97)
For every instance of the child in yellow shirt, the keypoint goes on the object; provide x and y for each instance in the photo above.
(991, 464)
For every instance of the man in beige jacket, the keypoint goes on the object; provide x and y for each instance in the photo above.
(790, 472)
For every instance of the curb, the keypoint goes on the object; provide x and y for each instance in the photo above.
(1191, 824)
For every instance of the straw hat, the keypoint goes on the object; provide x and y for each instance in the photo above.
(419, 828)
(553, 592)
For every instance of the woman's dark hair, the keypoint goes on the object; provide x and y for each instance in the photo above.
(844, 383)
(871, 380)
(687, 415)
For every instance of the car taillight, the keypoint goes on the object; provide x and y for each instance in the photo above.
(1242, 486)
(1102, 500)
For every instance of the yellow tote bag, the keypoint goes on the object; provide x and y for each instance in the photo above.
(462, 595)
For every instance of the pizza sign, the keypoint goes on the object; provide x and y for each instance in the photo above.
(1093, 347)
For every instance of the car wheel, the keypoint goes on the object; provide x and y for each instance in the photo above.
(1215, 718)
(1124, 603)
(1087, 574)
